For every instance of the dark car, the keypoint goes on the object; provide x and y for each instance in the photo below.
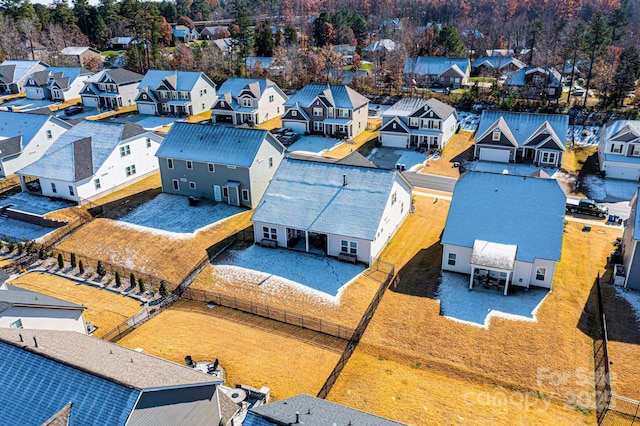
(73, 110)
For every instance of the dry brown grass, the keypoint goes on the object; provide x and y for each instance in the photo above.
(459, 148)
(274, 123)
(158, 255)
(113, 113)
(355, 143)
(573, 161)
(105, 309)
(510, 352)
(264, 355)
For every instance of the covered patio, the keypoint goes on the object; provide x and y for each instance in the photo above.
(303, 240)
(492, 266)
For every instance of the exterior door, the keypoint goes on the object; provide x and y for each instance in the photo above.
(217, 193)
(234, 196)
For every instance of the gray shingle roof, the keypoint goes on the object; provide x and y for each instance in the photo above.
(523, 124)
(213, 144)
(340, 96)
(406, 106)
(26, 125)
(435, 65)
(15, 296)
(183, 81)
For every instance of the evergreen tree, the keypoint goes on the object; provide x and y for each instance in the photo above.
(163, 289)
(132, 280)
(73, 260)
(60, 261)
(81, 267)
(141, 285)
(262, 40)
(118, 280)
(100, 269)
(450, 42)
(42, 252)
(595, 46)
(625, 75)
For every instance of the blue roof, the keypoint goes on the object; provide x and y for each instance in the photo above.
(508, 209)
(524, 124)
(182, 81)
(435, 65)
(311, 196)
(212, 144)
(611, 129)
(497, 61)
(518, 78)
(235, 86)
(22, 68)
(18, 123)
(339, 95)
(41, 387)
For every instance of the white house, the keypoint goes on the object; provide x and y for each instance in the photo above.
(93, 159)
(413, 122)
(175, 92)
(56, 83)
(14, 74)
(504, 230)
(619, 150)
(111, 89)
(248, 100)
(21, 308)
(332, 209)
(24, 138)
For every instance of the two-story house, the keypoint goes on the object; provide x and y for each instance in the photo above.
(185, 34)
(175, 93)
(437, 71)
(496, 66)
(24, 138)
(535, 83)
(413, 122)
(332, 110)
(81, 56)
(248, 100)
(14, 74)
(56, 83)
(221, 163)
(619, 150)
(111, 89)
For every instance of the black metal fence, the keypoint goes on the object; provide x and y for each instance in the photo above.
(138, 319)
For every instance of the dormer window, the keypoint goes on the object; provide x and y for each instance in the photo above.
(222, 103)
(246, 102)
(496, 135)
(294, 113)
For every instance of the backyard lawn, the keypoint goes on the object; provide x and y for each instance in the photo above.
(105, 309)
(459, 148)
(253, 351)
(524, 357)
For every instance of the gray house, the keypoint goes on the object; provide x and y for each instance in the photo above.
(221, 163)
(629, 247)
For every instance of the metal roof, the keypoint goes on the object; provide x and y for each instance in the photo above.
(213, 144)
(407, 106)
(20, 69)
(118, 75)
(518, 77)
(27, 125)
(182, 81)
(611, 129)
(497, 61)
(435, 65)
(339, 95)
(235, 86)
(311, 196)
(523, 211)
(524, 124)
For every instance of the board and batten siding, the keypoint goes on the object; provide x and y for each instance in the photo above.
(44, 318)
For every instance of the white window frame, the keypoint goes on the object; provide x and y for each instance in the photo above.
(130, 170)
(541, 272)
(53, 188)
(192, 185)
(294, 113)
(636, 151)
(451, 259)
(16, 324)
(148, 142)
(247, 102)
(49, 135)
(269, 233)
(318, 126)
(245, 195)
(211, 167)
(414, 122)
(166, 108)
(548, 157)
(97, 184)
(350, 247)
(270, 98)
(176, 184)
(125, 150)
(318, 112)
(170, 163)
(495, 136)
(343, 113)
(616, 148)
(189, 164)
(225, 192)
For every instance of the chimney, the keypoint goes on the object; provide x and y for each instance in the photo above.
(344, 180)
(35, 341)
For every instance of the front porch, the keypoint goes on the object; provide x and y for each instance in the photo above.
(109, 102)
(309, 242)
(423, 142)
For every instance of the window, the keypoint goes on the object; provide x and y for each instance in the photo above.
(616, 148)
(16, 324)
(548, 157)
(496, 135)
(394, 196)
(222, 103)
(636, 151)
(184, 95)
(317, 112)
(414, 122)
(270, 162)
(451, 259)
(317, 126)
(294, 113)
(96, 183)
(125, 150)
(130, 170)
(270, 98)
(537, 79)
(247, 102)
(269, 233)
(211, 167)
(148, 142)
(189, 165)
(245, 195)
(350, 247)
(205, 91)
(71, 191)
(344, 113)
(165, 108)
(49, 135)
(330, 112)
(225, 191)
(176, 185)
(192, 185)
(540, 273)
(203, 107)
(170, 163)
(53, 188)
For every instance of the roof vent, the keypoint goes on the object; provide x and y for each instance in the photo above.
(344, 180)
(20, 336)
(297, 417)
(35, 341)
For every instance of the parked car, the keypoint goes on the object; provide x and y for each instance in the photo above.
(586, 206)
(73, 110)
(577, 91)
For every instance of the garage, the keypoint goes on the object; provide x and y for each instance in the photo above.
(496, 155)
(223, 118)
(394, 140)
(147, 109)
(297, 126)
(621, 172)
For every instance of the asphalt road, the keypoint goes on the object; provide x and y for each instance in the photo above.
(428, 181)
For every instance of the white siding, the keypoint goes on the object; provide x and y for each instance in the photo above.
(198, 97)
(44, 318)
(392, 217)
(128, 94)
(268, 110)
(550, 267)
(334, 244)
(260, 171)
(463, 258)
(73, 92)
(281, 231)
(360, 118)
(448, 130)
(89, 101)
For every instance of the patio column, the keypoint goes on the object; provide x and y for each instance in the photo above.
(23, 184)
(473, 269)
(306, 241)
(506, 283)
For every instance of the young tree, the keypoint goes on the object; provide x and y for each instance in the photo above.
(132, 280)
(42, 252)
(141, 285)
(117, 279)
(73, 260)
(81, 267)
(163, 289)
(11, 245)
(20, 247)
(100, 269)
(60, 261)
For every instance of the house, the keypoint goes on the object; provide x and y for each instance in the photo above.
(94, 159)
(308, 410)
(221, 163)
(248, 100)
(185, 34)
(499, 52)
(390, 24)
(496, 66)
(261, 65)
(629, 246)
(379, 48)
(213, 33)
(24, 138)
(224, 45)
(535, 83)
(327, 109)
(56, 83)
(413, 122)
(346, 52)
(339, 210)
(619, 150)
(508, 137)
(175, 93)
(504, 230)
(21, 308)
(82, 380)
(121, 43)
(85, 57)
(14, 74)
(111, 89)
(427, 71)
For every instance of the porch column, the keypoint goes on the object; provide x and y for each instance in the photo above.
(23, 184)
(306, 241)
(506, 283)
(473, 269)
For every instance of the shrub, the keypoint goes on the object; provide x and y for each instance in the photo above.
(163, 288)
(81, 267)
(42, 252)
(118, 279)
(20, 247)
(73, 260)
(31, 247)
(60, 261)
(132, 280)
(11, 246)
(141, 285)
(100, 269)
